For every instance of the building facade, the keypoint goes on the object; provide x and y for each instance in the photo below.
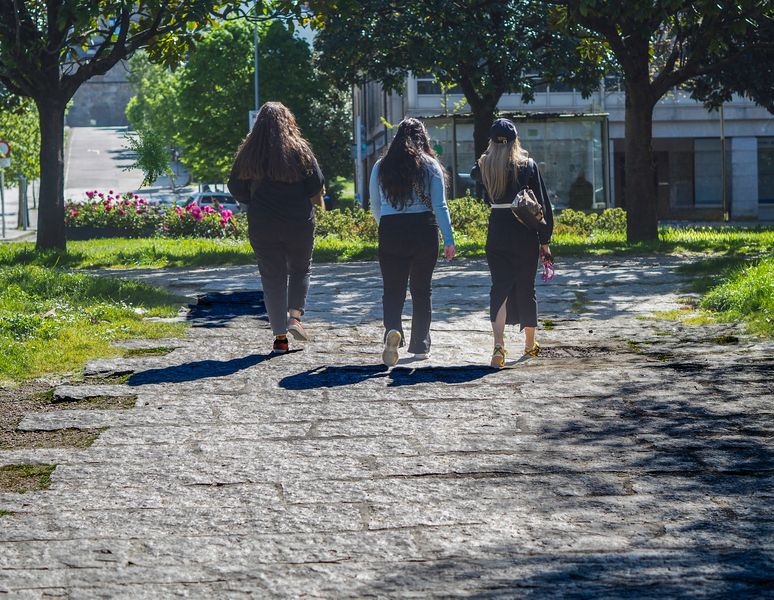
(579, 144)
(101, 101)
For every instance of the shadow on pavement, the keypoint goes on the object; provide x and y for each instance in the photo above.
(327, 377)
(682, 474)
(200, 369)
(217, 309)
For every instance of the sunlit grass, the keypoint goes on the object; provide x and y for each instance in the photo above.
(746, 294)
(54, 322)
(200, 252)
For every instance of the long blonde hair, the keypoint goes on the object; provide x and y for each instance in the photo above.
(498, 166)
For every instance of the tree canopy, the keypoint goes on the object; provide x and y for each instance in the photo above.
(712, 47)
(486, 47)
(19, 127)
(49, 49)
(202, 107)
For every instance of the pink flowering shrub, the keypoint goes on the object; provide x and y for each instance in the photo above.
(127, 212)
(134, 216)
(201, 221)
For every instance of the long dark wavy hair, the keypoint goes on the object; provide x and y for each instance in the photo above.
(405, 162)
(274, 150)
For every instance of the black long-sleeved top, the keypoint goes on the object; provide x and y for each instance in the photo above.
(283, 201)
(535, 183)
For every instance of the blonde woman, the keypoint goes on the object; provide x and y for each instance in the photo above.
(512, 249)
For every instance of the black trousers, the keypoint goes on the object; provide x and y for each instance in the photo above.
(512, 252)
(408, 252)
(283, 251)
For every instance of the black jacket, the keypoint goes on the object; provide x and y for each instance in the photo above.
(535, 182)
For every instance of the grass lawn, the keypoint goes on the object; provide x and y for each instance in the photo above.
(745, 293)
(53, 321)
(194, 252)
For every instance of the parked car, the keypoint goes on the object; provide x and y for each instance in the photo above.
(218, 200)
(161, 200)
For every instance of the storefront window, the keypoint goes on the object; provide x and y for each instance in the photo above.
(569, 155)
(674, 171)
(766, 170)
(568, 152)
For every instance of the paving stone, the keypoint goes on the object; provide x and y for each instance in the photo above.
(633, 458)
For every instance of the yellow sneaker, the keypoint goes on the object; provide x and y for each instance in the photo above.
(498, 357)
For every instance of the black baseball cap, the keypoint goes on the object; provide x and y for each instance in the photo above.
(503, 131)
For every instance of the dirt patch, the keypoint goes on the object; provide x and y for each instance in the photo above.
(30, 397)
(115, 379)
(160, 351)
(25, 478)
(576, 351)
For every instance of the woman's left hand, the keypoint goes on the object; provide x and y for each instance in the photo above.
(545, 253)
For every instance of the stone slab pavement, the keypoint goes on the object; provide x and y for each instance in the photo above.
(633, 458)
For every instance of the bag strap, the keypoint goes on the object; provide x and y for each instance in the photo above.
(525, 185)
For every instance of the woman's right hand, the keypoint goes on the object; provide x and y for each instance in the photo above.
(449, 251)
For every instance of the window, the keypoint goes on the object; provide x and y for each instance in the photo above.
(766, 170)
(427, 85)
(560, 87)
(614, 83)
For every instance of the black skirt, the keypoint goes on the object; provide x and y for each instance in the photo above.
(512, 252)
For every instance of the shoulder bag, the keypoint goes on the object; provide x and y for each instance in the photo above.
(525, 206)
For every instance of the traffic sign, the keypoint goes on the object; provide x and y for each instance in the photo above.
(5, 149)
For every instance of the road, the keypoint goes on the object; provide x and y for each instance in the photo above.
(96, 159)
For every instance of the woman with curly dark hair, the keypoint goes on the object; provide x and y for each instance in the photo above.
(408, 200)
(276, 174)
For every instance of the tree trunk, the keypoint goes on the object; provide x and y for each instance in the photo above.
(483, 115)
(51, 227)
(640, 191)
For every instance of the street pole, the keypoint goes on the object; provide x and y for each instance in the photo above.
(23, 215)
(255, 58)
(723, 162)
(2, 197)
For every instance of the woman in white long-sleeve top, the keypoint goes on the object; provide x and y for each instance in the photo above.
(408, 200)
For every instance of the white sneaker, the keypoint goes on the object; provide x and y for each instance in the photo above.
(390, 352)
(421, 355)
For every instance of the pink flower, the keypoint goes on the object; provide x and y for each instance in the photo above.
(208, 210)
(141, 200)
(179, 211)
(73, 212)
(226, 214)
(121, 212)
(110, 192)
(108, 207)
(101, 195)
(135, 196)
(89, 195)
(196, 212)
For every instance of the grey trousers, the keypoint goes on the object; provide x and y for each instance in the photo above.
(284, 254)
